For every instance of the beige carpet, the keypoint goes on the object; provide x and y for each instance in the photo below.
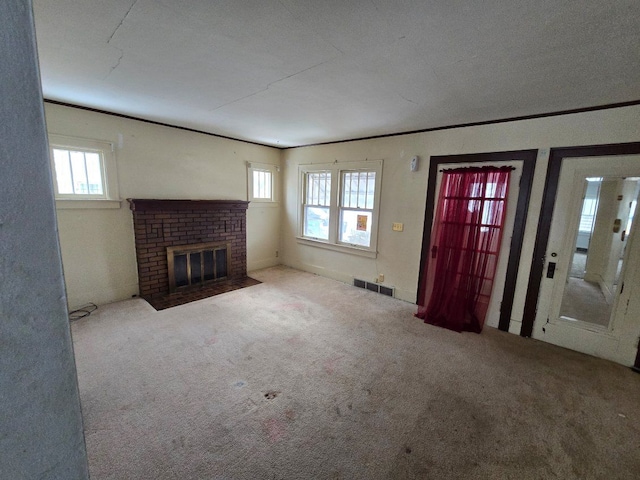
(302, 377)
(585, 301)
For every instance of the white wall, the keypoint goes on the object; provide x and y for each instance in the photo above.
(153, 161)
(404, 192)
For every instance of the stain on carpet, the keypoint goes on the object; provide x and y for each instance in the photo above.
(331, 364)
(271, 394)
(274, 429)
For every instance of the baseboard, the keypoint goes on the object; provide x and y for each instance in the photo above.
(400, 293)
(260, 264)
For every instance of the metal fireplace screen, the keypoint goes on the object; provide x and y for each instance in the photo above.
(197, 265)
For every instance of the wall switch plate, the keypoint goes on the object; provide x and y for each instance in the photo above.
(398, 227)
(414, 164)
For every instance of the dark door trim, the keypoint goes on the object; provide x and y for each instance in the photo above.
(556, 155)
(528, 158)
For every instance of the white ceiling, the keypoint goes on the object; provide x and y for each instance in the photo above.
(289, 73)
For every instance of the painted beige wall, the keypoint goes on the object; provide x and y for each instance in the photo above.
(404, 192)
(602, 237)
(153, 162)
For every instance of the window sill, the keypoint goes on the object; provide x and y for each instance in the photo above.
(338, 248)
(87, 204)
(260, 204)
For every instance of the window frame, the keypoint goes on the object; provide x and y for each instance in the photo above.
(273, 171)
(106, 151)
(337, 169)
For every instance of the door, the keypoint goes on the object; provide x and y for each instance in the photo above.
(587, 291)
(493, 310)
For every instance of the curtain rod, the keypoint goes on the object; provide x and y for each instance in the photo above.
(477, 169)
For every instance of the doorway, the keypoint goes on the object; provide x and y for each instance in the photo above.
(503, 296)
(584, 250)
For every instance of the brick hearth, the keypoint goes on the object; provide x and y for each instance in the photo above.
(159, 224)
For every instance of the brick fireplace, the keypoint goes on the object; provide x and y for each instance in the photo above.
(162, 227)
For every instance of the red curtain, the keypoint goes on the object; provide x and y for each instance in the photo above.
(464, 248)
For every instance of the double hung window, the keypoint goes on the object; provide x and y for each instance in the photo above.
(357, 195)
(339, 205)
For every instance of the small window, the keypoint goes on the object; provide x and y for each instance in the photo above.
(339, 205)
(262, 182)
(78, 172)
(82, 169)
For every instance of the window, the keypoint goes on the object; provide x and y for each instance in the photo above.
(339, 205)
(317, 203)
(82, 169)
(356, 207)
(262, 182)
(590, 205)
(78, 172)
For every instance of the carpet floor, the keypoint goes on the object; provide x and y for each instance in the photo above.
(302, 377)
(585, 301)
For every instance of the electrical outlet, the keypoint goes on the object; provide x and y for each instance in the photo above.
(381, 277)
(398, 227)
(276, 253)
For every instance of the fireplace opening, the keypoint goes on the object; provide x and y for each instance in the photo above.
(191, 266)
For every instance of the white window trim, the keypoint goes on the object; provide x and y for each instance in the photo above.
(336, 170)
(111, 198)
(275, 184)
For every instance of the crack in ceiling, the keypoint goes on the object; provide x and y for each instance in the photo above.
(361, 69)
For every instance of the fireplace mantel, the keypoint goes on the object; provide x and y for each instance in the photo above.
(155, 205)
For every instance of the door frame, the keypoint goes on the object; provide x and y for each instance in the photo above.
(528, 158)
(556, 156)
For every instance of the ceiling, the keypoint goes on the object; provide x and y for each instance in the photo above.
(289, 73)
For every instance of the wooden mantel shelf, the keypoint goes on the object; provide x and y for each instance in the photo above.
(156, 205)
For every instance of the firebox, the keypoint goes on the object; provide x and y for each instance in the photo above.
(197, 265)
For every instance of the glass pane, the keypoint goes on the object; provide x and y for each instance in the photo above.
(355, 227)
(371, 189)
(261, 184)
(353, 190)
(208, 265)
(196, 267)
(63, 171)
(79, 172)
(221, 263)
(346, 188)
(180, 270)
(94, 175)
(598, 254)
(316, 222)
(318, 188)
(358, 189)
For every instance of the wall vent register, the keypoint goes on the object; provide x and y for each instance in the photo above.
(374, 287)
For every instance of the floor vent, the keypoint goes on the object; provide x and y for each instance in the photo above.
(374, 287)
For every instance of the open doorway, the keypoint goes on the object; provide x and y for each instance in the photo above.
(606, 219)
(505, 295)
